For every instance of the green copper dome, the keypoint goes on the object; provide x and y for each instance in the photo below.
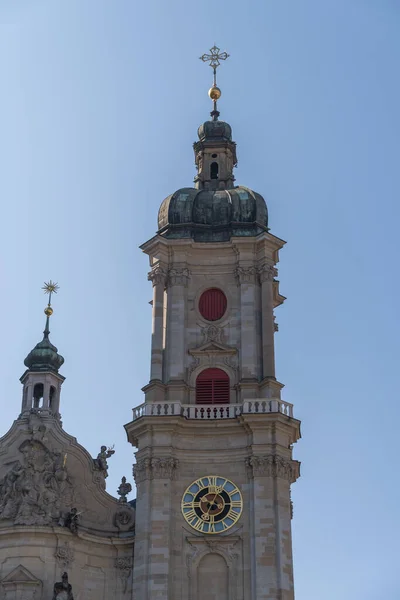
(212, 215)
(214, 130)
(44, 356)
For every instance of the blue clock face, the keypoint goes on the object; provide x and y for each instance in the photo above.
(212, 504)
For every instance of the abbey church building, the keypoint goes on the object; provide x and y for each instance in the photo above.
(213, 436)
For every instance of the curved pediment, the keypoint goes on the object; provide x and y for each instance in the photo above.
(48, 479)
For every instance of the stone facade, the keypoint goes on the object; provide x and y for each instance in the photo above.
(56, 517)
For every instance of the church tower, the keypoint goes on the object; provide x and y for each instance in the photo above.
(214, 461)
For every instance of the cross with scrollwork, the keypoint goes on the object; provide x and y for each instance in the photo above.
(214, 57)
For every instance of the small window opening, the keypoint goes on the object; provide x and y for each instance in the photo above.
(38, 395)
(52, 396)
(214, 170)
(214, 155)
(212, 387)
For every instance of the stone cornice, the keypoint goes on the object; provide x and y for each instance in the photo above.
(272, 465)
(155, 468)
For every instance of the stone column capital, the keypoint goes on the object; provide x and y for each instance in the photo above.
(272, 465)
(246, 274)
(158, 275)
(267, 272)
(178, 276)
(155, 468)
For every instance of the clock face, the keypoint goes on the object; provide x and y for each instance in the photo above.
(212, 504)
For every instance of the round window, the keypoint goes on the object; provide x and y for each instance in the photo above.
(212, 304)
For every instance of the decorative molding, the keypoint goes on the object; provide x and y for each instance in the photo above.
(124, 518)
(194, 364)
(200, 547)
(246, 274)
(64, 555)
(123, 564)
(164, 468)
(21, 583)
(141, 470)
(158, 275)
(272, 465)
(155, 468)
(267, 272)
(212, 333)
(178, 276)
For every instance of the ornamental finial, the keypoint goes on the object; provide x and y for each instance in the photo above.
(214, 59)
(49, 288)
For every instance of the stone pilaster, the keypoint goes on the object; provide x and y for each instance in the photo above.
(270, 477)
(154, 477)
(267, 273)
(176, 326)
(248, 281)
(158, 277)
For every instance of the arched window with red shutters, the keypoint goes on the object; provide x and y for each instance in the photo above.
(212, 304)
(212, 387)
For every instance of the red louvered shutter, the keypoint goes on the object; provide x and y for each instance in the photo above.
(212, 304)
(212, 387)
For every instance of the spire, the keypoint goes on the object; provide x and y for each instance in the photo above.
(214, 92)
(44, 356)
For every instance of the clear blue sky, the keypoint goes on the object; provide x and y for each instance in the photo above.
(99, 107)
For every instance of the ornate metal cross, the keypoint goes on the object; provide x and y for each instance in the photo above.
(215, 57)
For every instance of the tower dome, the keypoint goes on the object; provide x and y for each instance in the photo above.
(208, 215)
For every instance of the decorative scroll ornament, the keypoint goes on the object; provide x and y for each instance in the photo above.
(155, 468)
(158, 275)
(64, 555)
(246, 275)
(124, 569)
(267, 272)
(178, 276)
(272, 465)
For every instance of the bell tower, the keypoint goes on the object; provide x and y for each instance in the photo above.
(214, 437)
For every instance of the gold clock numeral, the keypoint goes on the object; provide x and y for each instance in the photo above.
(236, 503)
(199, 525)
(211, 528)
(190, 505)
(189, 515)
(232, 515)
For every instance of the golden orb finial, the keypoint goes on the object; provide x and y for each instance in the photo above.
(48, 311)
(214, 93)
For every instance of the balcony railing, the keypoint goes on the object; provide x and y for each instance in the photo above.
(214, 411)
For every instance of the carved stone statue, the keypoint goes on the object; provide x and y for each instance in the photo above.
(63, 589)
(72, 520)
(123, 490)
(33, 491)
(101, 460)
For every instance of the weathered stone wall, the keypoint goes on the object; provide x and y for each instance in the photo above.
(32, 559)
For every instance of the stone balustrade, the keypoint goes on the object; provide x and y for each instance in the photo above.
(213, 411)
